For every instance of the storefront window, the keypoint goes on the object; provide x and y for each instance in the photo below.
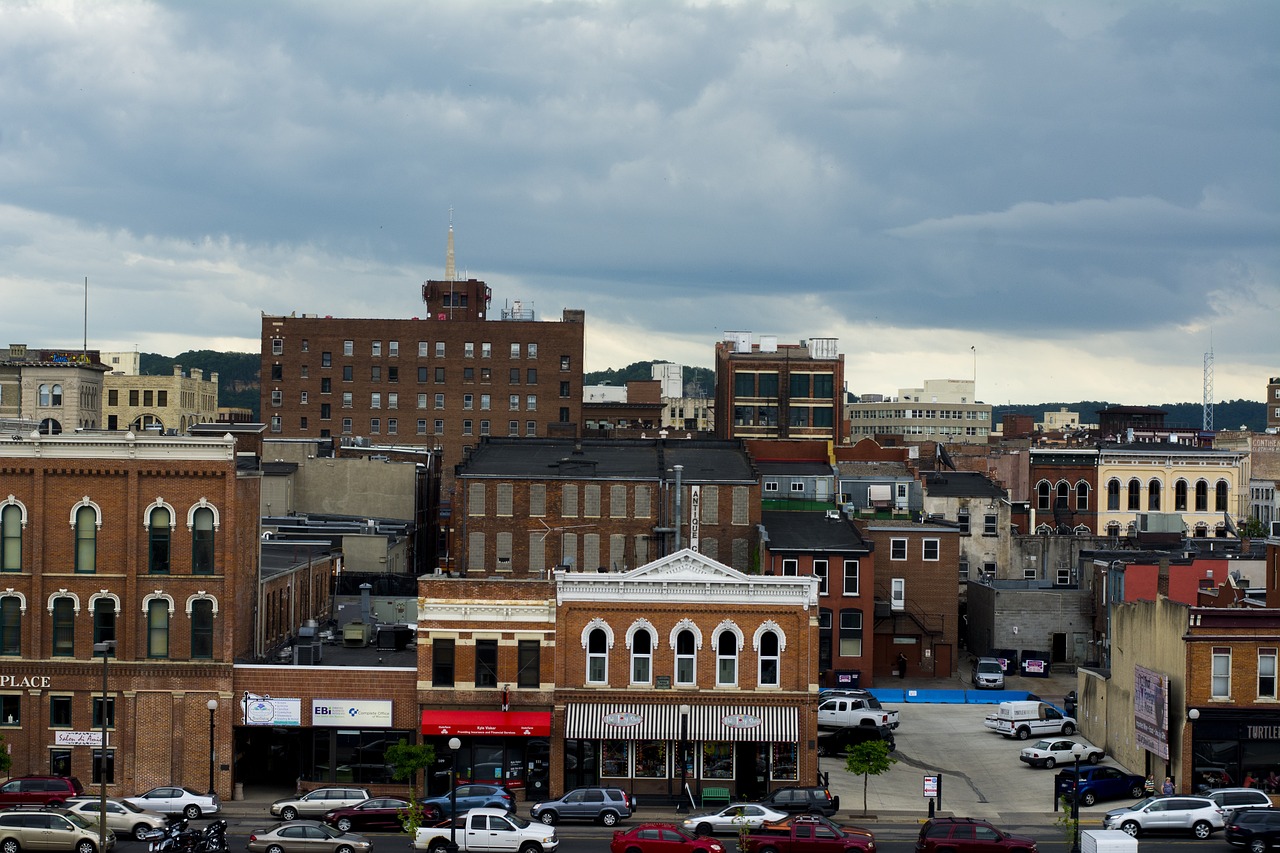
(356, 756)
(614, 759)
(717, 760)
(784, 762)
(651, 759)
(60, 762)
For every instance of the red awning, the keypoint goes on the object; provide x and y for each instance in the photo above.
(525, 723)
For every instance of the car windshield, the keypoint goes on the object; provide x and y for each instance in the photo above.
(1143, 803)
(79, 820)
(520, 822)
(329, 830)
(1044, 744)
(130, 807)
(990, 666)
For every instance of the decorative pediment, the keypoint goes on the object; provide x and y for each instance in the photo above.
(686, 564)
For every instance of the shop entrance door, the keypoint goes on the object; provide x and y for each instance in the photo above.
(579, 764)
(750, 771)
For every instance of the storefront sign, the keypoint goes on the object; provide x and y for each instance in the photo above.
(662, 682)
(1262, 732)
(695, 516)
(623, 720)
(77, 738)
(265, 711)
(517, 723)
(369, 713)
(740, 721)
(1151, 711)
(24, 681)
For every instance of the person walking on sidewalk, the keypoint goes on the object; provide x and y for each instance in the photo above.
(1167, 787)
(902, 666)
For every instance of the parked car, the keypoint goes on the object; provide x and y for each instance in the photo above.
(58, 830)
(306, 836)
(1199, 816)
(39, 790)
(317, 802)
(808, 833)
(730, 818)
(1048, 753)
(1099, 783)
(172, 800)
(802, 799)
(1024, 718)
(376, 813)
(969, 834)
(661, 838)
(487, 831)
(122, 816)
(606, 805)
(1231, 800)
(854, 710)
(834, 742)
(469, 797)
(1258, 830)
(988, 674)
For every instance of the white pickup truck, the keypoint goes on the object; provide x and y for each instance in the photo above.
(838, 711)
(488, 831)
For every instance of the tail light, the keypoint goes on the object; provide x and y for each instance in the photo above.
(626, 801)
(252, 838)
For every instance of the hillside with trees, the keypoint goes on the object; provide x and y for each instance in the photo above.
(1226, 415)
(698, 381)
(237, 373)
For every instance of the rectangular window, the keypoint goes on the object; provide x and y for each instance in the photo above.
(531, 403)
(1267, 673)
(346, 426)
(531, 376)
(326, 359)
(375, 426)
(393, 426)
(439, 401)
(897, 549)
(376, 349)
(375, 401)
(422, 401)
(442, 663)
(347, 400)
(820, 572)
(423, 349)
(851, 577)
(850, 633)
(60, 712)
(486, 663)
(513, 402)
(277, 346)
(486, 349)
(564, 362)
(897, 593)
(439, 349)
(484, 427)
(97, 712)
(931, 550)
(468, 401)
(375, 373)
(422, 374)
(393, 374)
(529, 664)
(326, 385)
(531, 351)
(326, 411)
(1220, 682)
(963, 519)
(348, 347)
(513, 428)
(422, 426)
(393, 349)
(393, 401)
(10, 710)
(514, 377)
(515, 350)
(963, 566)
(439, 376)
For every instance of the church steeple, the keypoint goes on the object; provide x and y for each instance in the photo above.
(450, 273)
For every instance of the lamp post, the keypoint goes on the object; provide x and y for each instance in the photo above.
(684, 764)
(106, 648)
(212, 705)
(454, 746)
(1077, 752)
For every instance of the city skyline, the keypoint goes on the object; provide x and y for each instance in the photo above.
(1070, 201)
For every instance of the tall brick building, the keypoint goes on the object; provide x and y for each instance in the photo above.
(147, 541)
(771, 390)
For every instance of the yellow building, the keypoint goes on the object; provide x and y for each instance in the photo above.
(1203, 486)
(169, 404)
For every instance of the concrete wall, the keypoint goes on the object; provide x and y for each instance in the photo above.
(339, 486)
(1027, 619)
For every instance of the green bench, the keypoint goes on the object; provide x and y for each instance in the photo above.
(715, 796)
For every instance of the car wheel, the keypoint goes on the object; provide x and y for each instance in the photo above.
(1131, 827)
(822, 750)
(288, 813)
(140, 832)
(1024, 733)
(85, 846)
(275, 848)
(609, 818)
(1257, 845)
(191, 812)
(346, 848)
(10, 845)
(1137, 791)
(1202, 829)
(1090, 798)
(438, 847)
(344, 824)
(432, 812)
(705, 829)
(1094, 757)
(1067, 728)
(548, 817)
(1050, 762)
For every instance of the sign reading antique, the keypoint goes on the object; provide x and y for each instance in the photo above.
(374, 713)
(695, 516)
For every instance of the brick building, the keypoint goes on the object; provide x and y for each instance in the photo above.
(1064, 490)
(528, 505)
(772, 390)
(149, 542)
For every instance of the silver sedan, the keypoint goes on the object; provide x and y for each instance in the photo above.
(729, 818)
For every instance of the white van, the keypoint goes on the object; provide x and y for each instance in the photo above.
(1028, 717)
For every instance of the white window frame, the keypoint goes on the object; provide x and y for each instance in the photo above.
(642, 628)
(762, 658)
(897, 549)
(857, 578)
(593, 628)
(820, 572)
(1220, 673)
(1267, 661)
(926, 545)
(729, 637)
(691, 659)
(898, 594)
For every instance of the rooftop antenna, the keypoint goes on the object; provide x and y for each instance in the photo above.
(450, 274)
(86, 314)
(1208, 387)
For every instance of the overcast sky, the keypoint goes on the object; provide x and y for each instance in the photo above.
(1086, 193)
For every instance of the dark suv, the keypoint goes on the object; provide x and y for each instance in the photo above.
(799, 800)
(1099, 783)
(39, 790)
(605, 805)
(966, 833)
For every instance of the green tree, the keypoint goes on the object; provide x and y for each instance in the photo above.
(867, 759)
(5, 760)
(410, 760)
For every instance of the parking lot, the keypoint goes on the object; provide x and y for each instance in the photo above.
(981, 773)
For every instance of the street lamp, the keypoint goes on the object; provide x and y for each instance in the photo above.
(454, 746)
(212, 705)
(106, 648)
(684, 764)
(1077, 752)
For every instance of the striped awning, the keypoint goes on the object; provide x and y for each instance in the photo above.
(640, 721)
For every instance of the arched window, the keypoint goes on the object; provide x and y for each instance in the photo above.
(104, 619)
(202, 629)
(11, 538)
(158, 628)
(1202, 496)
(1062, 496)
(597, 657)
(1180, 496)
(1113, 495)
(86, 539)
(770, 655)
(1113, 529)
(1082, 530)
(202, 541)
(1042, 494)
(1043, 530)
(50, 426)
(42, 395)
(1220, 496)
(64, 627)
(1202, 530)
(158, 529)
(1135, 495)
(57, 395)
(726, 660)
(686, 658)
(1153, 496)
(1082, 496)
(11, 625)
(641, 657)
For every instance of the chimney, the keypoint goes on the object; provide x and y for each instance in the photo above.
(1162, 580)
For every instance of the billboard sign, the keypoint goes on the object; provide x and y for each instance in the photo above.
(1151, 711)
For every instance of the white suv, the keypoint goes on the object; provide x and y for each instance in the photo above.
(1198, 815)
(1233, 799)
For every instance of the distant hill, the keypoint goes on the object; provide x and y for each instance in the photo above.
(238, 372)
(698, 381)
(1226, 415)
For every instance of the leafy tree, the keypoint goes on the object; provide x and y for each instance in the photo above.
(6, 761)
(1253, 528)
(743, 829)
(409, 760)
(867, 759)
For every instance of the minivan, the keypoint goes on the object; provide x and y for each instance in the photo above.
(40, 790)
(988, 674)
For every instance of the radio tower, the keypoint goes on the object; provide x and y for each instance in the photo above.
(1208, 389)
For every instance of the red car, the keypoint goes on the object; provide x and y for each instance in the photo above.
(375, 813)
(662, 838)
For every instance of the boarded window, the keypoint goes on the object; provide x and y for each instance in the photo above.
(504, 499)
(537, 552)
(569, 500)
(741, 555)
(710, 504)
(642, 502)
(503, 546)
(569, 549)
(591, 501)
(709, 547)
(475, 551)
(740, 513)
(617, 552)
(618, 501)
(537, 499)
(642, 550)
(475, 499)
(590, 550)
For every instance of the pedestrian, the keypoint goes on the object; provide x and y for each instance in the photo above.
(1149, 786)
(902, 666)
(1167, 788)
